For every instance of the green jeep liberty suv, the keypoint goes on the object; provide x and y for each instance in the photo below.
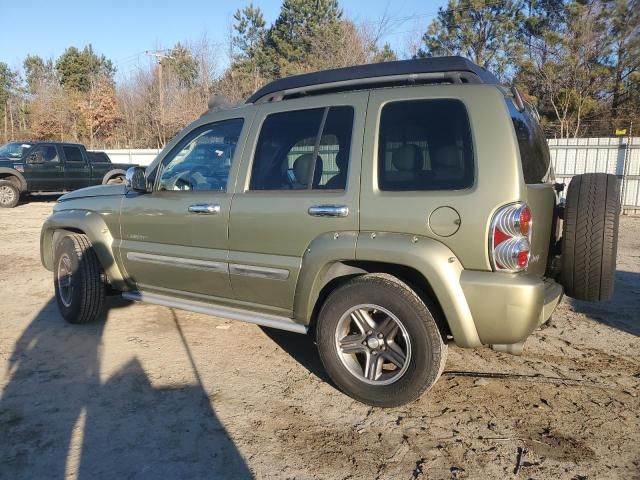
(388, 209)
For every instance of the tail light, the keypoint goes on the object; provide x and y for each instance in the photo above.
(510, 239)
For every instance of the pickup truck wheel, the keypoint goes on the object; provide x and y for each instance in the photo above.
(590, 237)
(378, 341)
(9, 194)
(79, 281)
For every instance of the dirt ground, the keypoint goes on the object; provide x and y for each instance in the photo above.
(158, 393)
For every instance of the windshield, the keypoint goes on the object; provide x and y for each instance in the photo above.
(14, 150)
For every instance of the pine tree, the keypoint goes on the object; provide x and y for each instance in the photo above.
(37, 71)
(183, 65)
(487, 32)
(75, 68)
(301, 25)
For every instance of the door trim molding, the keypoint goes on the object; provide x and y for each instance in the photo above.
(220, 267)
(264, 319)
(268, 273)
(259, 272)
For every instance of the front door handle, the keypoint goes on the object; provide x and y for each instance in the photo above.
(205, 208)
(339, 211)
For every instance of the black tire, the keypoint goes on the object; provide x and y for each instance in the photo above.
(590, 236)
(83, 300)
(428, 352)
(9, 194)
(117, 180)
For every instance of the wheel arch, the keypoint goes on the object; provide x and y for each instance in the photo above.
(10, 174)
(341, 272)
(426, 265)
(87, 223)
(116, 172)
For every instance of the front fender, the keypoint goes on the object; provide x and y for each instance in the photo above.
(90, 223)
(18, 175)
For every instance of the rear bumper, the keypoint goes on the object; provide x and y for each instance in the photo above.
(506, 308)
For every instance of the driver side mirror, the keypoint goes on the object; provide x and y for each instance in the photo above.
(135, 180)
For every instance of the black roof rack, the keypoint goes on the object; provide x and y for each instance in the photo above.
(423, 70)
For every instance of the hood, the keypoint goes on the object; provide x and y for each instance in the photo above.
(9, 162)
(96, 191)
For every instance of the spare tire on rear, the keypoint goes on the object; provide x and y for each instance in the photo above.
(590, 236)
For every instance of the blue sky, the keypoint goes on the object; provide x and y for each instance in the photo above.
(122, 30)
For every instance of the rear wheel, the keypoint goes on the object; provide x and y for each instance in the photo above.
(9, 194)
(79, 281)
(590, 237)
(379, 342)
(115, 180)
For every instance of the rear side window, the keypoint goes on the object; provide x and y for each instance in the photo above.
(534, 152)
(72, 154)
(98, 157)
(425, 145)
(288, 143)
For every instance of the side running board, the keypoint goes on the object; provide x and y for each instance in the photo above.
(264, 319)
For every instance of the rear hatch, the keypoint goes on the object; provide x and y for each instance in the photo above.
(539, 178)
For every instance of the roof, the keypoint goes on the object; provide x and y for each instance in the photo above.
(56, 142)
(434, 69)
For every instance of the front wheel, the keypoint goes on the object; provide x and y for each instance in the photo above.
(379, 342)
(9, 194)
(78, 279)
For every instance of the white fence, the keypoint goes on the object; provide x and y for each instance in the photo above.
(620, 156)
(135, 156)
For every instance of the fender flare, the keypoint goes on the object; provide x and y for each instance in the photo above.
(432, 259)
(321, 263)
(93, 226)
(113, 173)
(18, 175)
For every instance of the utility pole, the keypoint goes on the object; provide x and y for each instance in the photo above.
(160, 55)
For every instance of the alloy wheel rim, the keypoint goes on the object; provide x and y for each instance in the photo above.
(65, 277)
(7, 195)
(373, 344)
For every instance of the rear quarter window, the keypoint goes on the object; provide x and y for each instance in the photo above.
(534, 151)
(425, 145)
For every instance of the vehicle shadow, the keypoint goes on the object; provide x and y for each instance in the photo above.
(301, 348)
(60, 418)
(622, 311)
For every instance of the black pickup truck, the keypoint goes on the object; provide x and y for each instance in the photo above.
(34, 167)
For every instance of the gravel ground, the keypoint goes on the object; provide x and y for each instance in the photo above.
(160, 393)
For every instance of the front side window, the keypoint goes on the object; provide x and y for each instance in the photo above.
(44, 154)
(425, 145)
(202, 160)
(72, 154)
(288, 143)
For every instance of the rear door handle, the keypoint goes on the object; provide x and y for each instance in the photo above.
(205, 208)
(339, 211)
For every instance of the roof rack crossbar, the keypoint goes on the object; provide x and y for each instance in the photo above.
(452, 77)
